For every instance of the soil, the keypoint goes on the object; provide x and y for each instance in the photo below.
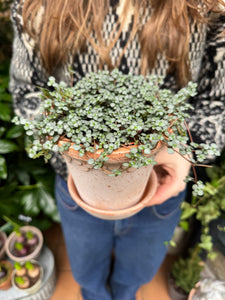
(28, 247)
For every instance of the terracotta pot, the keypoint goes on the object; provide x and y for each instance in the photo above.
(9, 246)
(36, 283)
(115, 214)
(6, 284)
(96, 188)
(2, 249)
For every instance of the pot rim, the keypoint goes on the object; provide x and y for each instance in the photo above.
(30, 256)
(116, 155)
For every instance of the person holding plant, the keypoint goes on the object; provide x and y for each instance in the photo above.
(179, 40)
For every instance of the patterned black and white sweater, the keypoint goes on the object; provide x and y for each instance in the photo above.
(207, 57)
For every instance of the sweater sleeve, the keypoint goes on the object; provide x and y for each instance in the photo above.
(26, 73)
(207, 121)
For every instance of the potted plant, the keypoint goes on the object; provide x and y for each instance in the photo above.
(24, 243)
(6, 269)
(184, 275)
(27, 276)
(110, 124)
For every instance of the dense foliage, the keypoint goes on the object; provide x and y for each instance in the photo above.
(109, 110)
(186, 270)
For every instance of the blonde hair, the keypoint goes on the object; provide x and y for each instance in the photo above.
(67, 24)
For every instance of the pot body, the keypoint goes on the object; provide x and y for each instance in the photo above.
(102, 191)
(115, 214)
(6, 284)
(99, 190)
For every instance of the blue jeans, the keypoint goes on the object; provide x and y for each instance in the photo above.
(138, 245)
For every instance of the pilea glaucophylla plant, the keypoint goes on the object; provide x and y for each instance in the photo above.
(109, 110)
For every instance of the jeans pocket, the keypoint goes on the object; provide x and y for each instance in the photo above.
(169, 207)
(63, 195)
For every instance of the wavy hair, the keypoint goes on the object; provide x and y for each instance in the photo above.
(66, 25)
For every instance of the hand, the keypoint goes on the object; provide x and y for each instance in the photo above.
(171, 170)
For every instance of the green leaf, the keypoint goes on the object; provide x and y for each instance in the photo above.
(206, 243)
(172, 243)
(170, 150)
(14, 132)
(42, 223)
(7, 146)
(7, 190)
(9, 207)
(29, 200)
(184, 225)
(5, 112)
(2, 130)
(187, 210)
(47, 204)
(23, 176)
(3, 168)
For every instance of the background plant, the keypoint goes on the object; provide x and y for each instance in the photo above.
(26, 186)
(208, 207)
(186, 271)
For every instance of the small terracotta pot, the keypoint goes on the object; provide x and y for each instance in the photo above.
(36, 284)
(9, 246)
(115, 214)
(2, 250)
(101, 191)
(6, 284)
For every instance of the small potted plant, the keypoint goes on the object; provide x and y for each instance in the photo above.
(27, 276)
(185, 273)
(6, 269)
(109, 128)
(3, 238)
(24, 243)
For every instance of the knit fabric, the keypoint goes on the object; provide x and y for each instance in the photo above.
(207, 63)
